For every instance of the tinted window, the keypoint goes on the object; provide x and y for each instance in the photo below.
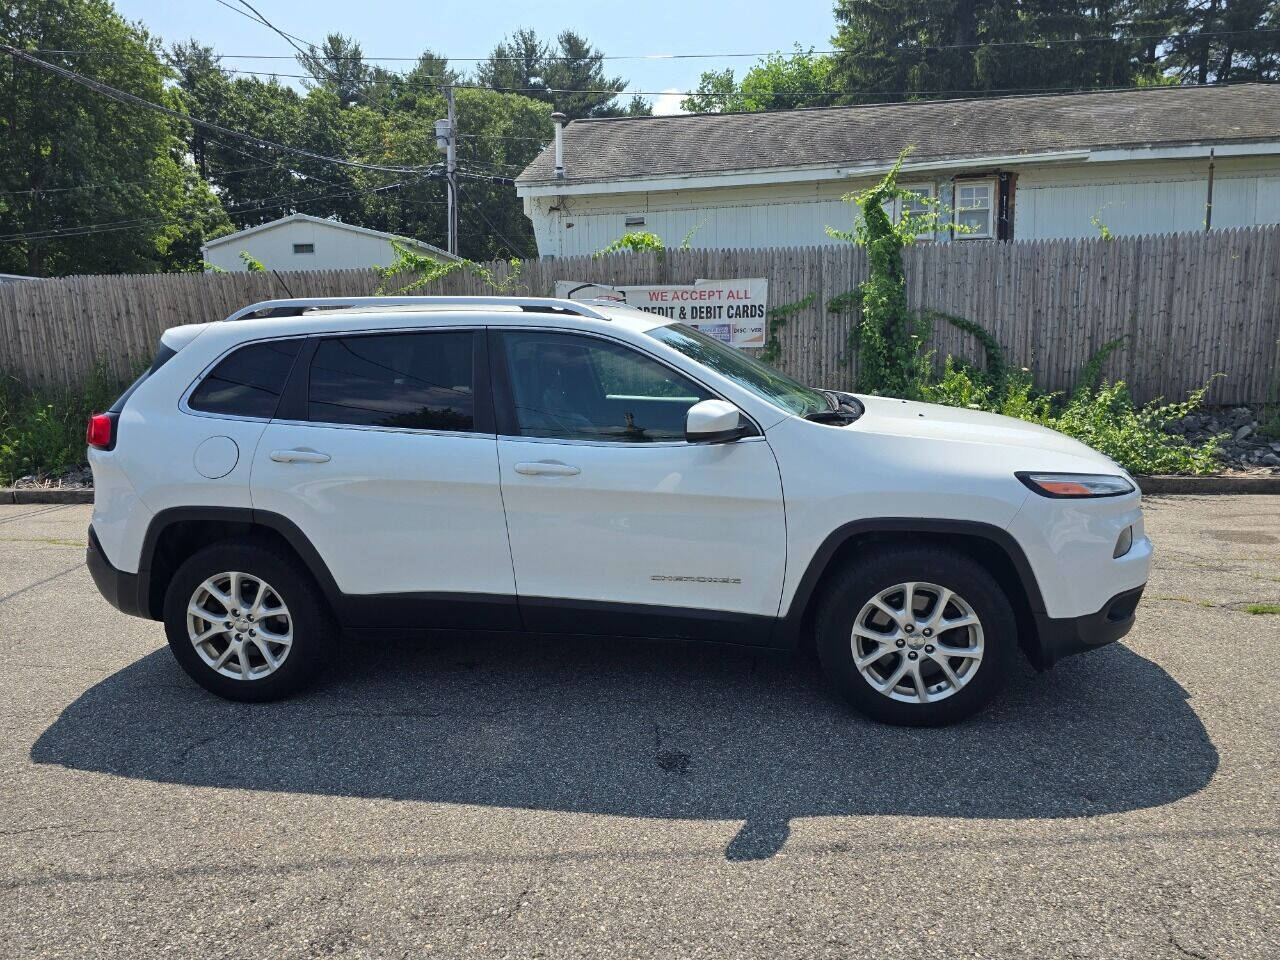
(163, 355)
(249, 382)
(584, 388)
(420, 381)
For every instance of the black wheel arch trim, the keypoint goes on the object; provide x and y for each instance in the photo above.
(791, 623)
(283, 526)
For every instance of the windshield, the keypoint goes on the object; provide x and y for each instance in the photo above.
(743, 369)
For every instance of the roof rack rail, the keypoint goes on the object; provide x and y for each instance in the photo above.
(297, 306)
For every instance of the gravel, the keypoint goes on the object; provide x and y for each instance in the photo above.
(1244, 445)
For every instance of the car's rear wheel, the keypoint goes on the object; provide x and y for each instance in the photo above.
(916, 635)
(246, 622)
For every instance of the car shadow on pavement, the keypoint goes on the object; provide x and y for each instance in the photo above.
(638, 730)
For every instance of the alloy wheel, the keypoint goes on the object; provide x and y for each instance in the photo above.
(239, 625)
(917, 642)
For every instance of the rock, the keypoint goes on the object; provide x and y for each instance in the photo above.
(1243, 432)
(1269, 460)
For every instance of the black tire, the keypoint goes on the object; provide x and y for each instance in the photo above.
(314, 631)
(882, 568)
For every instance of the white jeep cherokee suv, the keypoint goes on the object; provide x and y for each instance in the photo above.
(565, 467)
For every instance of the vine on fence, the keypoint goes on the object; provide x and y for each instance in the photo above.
(418, 270)
(778, 318)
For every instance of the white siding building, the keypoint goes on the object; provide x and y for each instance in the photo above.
(1023, 168)
(302, 242)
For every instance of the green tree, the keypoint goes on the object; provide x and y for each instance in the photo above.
(337, 66)
(88, 184)
(503, 132)
(1226, 40)
(390, 90)
(568, 74)
(776, 82)
(888, 49)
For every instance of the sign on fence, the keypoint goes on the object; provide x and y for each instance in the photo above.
(730, 310)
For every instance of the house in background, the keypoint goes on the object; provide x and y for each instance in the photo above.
(1025, 168)
(302, 242)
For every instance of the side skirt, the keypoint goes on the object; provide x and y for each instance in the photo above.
(427, 611)
(547, 615)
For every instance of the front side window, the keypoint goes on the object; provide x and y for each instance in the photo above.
(973, 210)
(746, 371)
(248, 383)
(415, 381)
(583, 388)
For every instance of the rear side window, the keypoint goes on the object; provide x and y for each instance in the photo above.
(162, 357)
(249, 382)
(417, 381)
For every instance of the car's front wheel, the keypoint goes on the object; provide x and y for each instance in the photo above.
(916, 635)
(246, 622)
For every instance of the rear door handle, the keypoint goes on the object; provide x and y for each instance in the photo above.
(547, 468)
(299, 456)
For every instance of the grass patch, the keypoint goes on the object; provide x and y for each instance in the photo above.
(1263, 608)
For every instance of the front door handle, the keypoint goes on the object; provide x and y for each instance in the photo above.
(547, 468)
(299, 456)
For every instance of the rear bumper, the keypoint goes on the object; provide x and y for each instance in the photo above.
(124, 591)
(1062, 637)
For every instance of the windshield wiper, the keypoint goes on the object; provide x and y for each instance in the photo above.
(845, 408)
(831, 416)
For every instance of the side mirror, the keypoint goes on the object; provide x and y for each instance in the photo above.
(715, 421)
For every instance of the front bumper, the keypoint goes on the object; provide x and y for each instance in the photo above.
(124, 591)
(1062, 637)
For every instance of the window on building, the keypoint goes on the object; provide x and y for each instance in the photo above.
(584, 388)
(248, 383)
(304, 248)
(975, 209)
(917, 203)
(416, 381)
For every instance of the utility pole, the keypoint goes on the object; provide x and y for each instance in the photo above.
(447, 140)
(1208, 200)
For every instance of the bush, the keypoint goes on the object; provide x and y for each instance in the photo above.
(1104, 417)
(42, 429)
(1107, 420)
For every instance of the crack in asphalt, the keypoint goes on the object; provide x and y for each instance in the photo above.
(39, 583)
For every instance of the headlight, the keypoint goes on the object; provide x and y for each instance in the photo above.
(1073, 485)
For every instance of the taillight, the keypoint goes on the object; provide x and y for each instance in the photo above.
(101, 431)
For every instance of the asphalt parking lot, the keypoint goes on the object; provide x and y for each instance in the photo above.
(533, 797)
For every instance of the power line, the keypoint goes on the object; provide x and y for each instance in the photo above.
(492, 226)
(735, 92)
(1102, 38)
(287, 37)
(496, 136)
(258, 18)
(133, 100)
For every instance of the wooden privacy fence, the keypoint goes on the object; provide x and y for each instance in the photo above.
(1190, 305)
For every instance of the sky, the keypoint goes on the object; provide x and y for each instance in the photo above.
(403, 28)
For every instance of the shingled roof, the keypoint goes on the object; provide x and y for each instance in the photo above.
(643, 147)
